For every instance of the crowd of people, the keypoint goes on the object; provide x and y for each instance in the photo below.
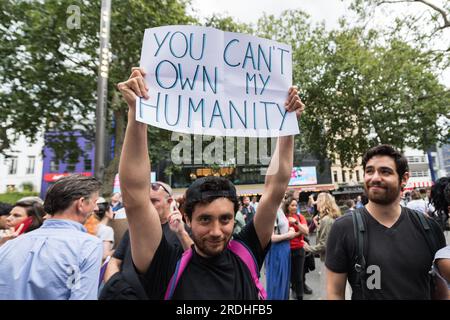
(209, 244)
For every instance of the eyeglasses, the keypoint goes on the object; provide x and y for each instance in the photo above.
(156, 186)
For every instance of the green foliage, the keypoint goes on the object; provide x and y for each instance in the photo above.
(226, 23)
(12, 197)
(27, 186)
(361, 89)
(423, 24)
(49, 71)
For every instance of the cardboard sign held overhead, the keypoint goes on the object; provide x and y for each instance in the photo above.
(205, 81)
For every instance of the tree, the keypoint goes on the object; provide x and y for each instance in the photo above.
(226, 23)
(49, 67)
(361, 89)
(424, 24)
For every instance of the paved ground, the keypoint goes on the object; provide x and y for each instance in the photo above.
(313, 278)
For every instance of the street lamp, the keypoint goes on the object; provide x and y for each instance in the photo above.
(102, 90)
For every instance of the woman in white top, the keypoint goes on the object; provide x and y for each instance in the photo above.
(441, 267)
(104, 214)
(417, 203)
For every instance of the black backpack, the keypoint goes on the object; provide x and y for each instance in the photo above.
(359, 231)
(124, 285)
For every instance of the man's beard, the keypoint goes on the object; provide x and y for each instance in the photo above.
(386, 196)
(205, 247)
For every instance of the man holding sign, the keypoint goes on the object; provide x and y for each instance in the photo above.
(214, 270)
(206, 81)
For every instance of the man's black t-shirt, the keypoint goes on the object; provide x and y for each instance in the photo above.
(399, 256)
(128, 277)
(124, 245)
(223, 277)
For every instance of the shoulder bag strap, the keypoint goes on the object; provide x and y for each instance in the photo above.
(359, 231)
(241, 250)
(181, 265)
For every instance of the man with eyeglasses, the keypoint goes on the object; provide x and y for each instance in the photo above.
(120, 272)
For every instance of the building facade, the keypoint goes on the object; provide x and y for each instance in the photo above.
(21, 167)
(419, 168)
(249, 177)
(53, 168)
(349, 181)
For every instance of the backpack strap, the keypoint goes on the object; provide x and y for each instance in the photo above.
(244, 253)
(238, 248)
(435, 289)
(181, 265)
(359, 230)
(428, 231)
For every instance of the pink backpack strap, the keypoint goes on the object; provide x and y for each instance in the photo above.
(181, 265)
(242, 251)
(238, 248)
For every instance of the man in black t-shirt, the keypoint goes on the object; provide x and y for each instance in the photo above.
(161, 196)
(214, 272)
(122, 262)
(396, 250)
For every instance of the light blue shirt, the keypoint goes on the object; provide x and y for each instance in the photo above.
(58, 261)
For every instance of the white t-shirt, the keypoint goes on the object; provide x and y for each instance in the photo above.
(283, 223)
(419, 205)
(105, 233)
(443, 253)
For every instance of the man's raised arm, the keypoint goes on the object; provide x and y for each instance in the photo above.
(277, 178)
(134, 172)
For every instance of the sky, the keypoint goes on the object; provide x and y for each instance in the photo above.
(250, 10)
(328, 11)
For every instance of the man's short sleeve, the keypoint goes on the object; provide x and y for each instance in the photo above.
(156, 279)
(337, 257)
(249, 236)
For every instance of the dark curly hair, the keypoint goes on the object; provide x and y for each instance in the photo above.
(387, 150)
(440, 199)
(206, 190)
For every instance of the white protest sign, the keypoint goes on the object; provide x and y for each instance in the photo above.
(205, 81)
